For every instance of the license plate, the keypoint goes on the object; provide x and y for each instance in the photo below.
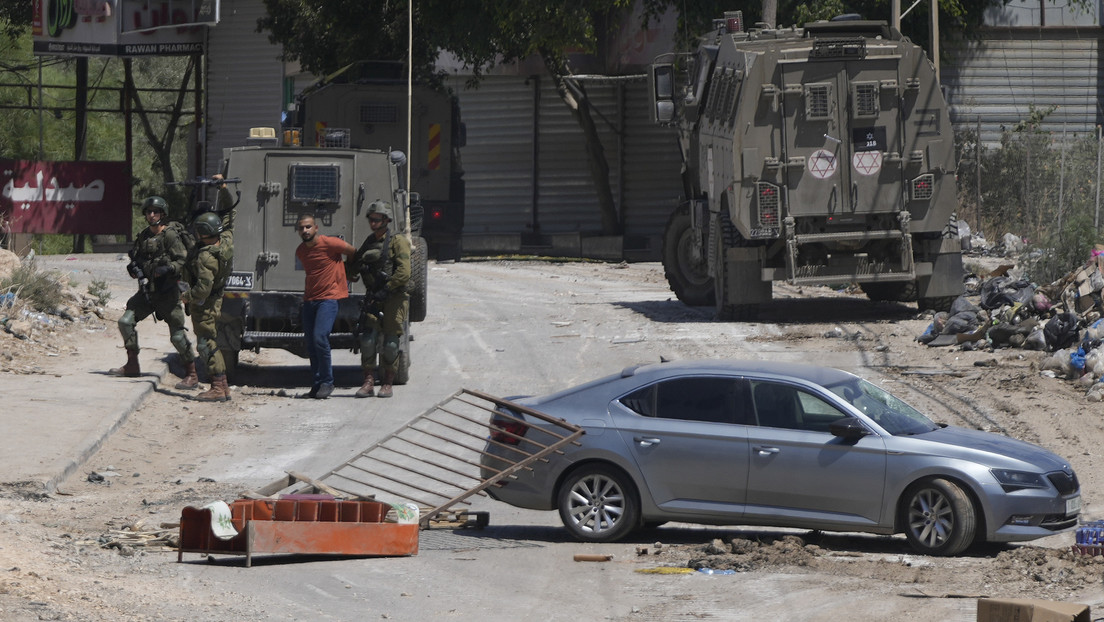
(1073, 506)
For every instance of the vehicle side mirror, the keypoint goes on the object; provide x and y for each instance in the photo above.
(850, 428)
(662, 82)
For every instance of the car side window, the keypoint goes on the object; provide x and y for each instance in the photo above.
(784, 406)
(708, 399)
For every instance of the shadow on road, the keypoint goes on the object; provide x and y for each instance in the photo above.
(824, 310)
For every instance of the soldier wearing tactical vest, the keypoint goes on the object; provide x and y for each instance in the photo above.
(205, 274)
(383, 263)
(157, 261)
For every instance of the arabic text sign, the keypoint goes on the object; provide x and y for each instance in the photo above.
(65, 197)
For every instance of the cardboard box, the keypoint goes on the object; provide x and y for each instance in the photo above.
(1030, 610)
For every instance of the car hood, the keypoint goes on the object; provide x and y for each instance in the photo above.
(1002, 447)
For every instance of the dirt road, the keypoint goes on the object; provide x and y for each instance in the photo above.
(530, 327)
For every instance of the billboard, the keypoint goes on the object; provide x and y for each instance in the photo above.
(65, 197)
(121, 27)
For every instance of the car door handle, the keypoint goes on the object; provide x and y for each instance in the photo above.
(765, 450)
(646, 441)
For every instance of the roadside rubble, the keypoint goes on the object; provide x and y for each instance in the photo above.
(23, 327)
(1002, 310)
(1044, 572)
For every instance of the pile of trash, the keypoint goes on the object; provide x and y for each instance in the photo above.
(1000, 310)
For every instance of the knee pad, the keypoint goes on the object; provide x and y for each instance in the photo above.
(389, 354)
(180, 341)
(127, 321)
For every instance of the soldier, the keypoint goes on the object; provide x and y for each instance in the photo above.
(205, 274)
(156, 261)
(383, 261)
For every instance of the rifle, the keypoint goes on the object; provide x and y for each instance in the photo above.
(144, 284)
(372, 303)
(200, 184)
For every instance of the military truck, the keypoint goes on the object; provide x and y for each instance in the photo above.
(278, 182)
(365, 106)
(816, 155)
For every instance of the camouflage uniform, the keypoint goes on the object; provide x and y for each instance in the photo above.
(161, 257)
(384, 266)
(205, 272)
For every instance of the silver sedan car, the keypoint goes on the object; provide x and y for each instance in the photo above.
(778, 444)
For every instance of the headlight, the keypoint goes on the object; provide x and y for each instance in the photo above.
(1012, 481)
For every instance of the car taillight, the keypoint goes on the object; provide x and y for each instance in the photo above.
(507, 431)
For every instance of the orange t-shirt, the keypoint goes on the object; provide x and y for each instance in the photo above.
(325, 269)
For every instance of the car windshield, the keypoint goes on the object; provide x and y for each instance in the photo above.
(895, 416)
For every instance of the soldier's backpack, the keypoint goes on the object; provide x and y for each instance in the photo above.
(184, 233)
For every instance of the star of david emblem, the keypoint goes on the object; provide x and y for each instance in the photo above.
(822, 164)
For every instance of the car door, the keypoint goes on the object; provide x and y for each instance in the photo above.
(799, 470)
(688, 439)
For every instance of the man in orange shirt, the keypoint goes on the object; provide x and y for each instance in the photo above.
(321, 258)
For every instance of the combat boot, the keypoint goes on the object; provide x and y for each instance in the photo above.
(191, 379)
(368, 388)
(219, 391)
(131, 369)
(388, 380)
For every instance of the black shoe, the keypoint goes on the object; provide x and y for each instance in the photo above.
(324, 391)
(313, 393)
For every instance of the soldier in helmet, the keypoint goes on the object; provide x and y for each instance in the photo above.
(157, 260)
(205, 274)
(383, 262)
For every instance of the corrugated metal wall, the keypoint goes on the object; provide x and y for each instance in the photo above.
(244, 80)
(999, 78)
(653, 165)
(498, 157)
(516, 159)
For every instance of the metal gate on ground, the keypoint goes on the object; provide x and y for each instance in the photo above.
(434, 460)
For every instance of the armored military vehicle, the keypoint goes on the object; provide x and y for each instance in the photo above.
(279, 180)
(820, 155)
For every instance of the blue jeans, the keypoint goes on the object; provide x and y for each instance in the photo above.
(318, 321)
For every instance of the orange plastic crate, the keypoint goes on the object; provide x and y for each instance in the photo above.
(299, 526)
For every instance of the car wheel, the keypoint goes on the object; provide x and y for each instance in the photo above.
(598, 504)
(940, 519)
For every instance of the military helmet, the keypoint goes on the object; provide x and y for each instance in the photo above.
(156, 204)
(207, 225)
(381, 207)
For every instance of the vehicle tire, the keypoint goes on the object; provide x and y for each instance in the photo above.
(418, 253)
(890, 292)
(939, 517)
(722, 237)
(598, 503)
(687, 274)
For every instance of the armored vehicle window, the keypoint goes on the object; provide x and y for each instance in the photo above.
(376, 112)
(864, 99)
(313, 183)
(725, 111)
(818, 101)
(737, 80)
(715, 94)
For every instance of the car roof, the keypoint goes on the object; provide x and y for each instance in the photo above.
(781, 369)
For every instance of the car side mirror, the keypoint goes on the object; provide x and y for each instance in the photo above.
(850, 428)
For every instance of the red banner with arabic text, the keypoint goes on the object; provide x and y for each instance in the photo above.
(65, 197)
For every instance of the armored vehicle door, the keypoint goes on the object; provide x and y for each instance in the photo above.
(318, 182)
(842, 137)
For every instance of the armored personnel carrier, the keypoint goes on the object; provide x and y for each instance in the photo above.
(816, 155)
